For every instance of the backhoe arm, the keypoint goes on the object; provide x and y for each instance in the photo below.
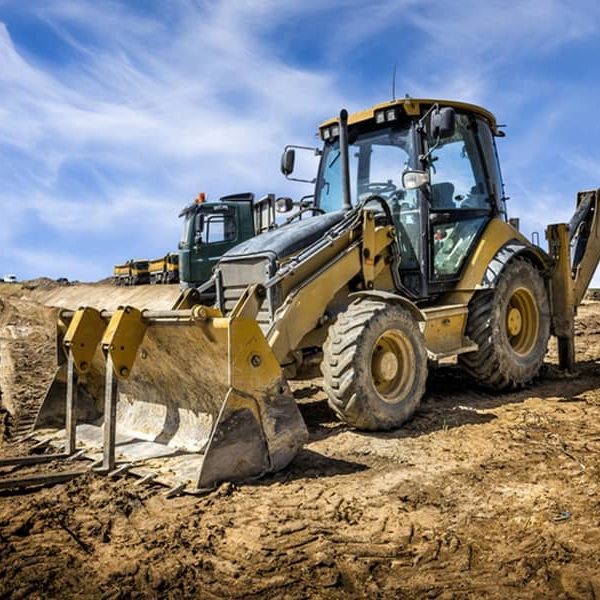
(575, 249)
(584, 230)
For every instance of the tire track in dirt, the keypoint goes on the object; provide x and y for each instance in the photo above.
(481, 495)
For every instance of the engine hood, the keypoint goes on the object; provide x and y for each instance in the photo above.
(287, 240)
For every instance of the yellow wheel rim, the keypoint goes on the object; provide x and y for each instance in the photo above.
(393, 366)
(522, 321)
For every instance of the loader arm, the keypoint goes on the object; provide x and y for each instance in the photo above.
(358, 249)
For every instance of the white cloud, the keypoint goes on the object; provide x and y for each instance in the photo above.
(155, 107)
(159, 112)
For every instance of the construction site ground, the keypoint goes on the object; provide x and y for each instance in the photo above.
(480, 496)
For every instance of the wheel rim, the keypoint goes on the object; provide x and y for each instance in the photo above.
(522, 321)
(393, 366)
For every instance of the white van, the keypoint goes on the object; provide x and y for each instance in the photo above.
(10, 278)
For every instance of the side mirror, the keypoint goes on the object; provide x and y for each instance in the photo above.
(283, 205)
(412, 180)
(443, 122)
(287, 161)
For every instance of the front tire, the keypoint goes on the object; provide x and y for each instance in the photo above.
(511, 326)
(374, 365)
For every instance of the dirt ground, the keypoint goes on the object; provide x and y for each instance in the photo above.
(481, 495)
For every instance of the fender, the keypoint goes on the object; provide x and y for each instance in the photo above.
(411, 307)
(508, 252)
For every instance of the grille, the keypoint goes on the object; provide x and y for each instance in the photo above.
(236, 276)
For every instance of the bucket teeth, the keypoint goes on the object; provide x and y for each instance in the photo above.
(120, 470)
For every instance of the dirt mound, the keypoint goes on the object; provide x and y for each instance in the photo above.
(109, 297)
(27, 361)
(481, 495)
(41, 283)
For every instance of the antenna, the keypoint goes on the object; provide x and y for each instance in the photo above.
(394, 82)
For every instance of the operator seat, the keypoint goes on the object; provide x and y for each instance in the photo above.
(442, 195)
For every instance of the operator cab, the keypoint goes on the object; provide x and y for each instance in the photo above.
(435, 165)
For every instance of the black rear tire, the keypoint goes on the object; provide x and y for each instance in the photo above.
(374, 365)
(511, 326)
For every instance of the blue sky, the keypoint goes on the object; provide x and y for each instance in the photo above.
(115, 114)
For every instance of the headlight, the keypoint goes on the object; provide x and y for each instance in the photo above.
(328, 133)
(386, 115)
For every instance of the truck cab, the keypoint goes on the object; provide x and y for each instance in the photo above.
(212, 228)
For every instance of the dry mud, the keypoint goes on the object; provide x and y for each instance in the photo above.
(480, 496)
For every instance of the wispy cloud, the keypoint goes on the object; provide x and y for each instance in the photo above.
(99, 151)
(151, 116)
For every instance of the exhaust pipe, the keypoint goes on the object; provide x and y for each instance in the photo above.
(344, 157)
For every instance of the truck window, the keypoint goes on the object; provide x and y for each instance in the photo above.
(219, 228)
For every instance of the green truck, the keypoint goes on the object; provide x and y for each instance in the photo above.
(209, 230)
(212, 228)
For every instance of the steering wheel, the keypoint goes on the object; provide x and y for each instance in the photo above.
(313, 209)
(379, 187)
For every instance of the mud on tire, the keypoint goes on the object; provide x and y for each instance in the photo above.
(374, 365)
(511, 325)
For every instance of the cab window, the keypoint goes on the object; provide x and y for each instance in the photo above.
(457, 176)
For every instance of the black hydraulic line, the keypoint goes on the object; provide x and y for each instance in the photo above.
(580, 215)
(345, 160)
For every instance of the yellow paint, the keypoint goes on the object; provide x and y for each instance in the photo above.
(304, 307)
(122, 339)
(496, 234)
(445, 329)
(83, 336)
(415, 107)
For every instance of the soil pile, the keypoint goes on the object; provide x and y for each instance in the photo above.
(27, 361)
(481, 495)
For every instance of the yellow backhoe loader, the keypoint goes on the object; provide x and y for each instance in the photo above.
(409, 260)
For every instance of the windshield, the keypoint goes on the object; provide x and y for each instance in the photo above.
(377, 161)
(187, 231)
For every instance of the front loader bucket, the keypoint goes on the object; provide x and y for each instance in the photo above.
(186, 397)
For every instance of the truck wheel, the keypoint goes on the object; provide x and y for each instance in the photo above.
(374, 365)
(511, 326)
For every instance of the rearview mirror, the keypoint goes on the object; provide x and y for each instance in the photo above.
(287, 161)
(283, 205)
(443, 122)
(412, 180)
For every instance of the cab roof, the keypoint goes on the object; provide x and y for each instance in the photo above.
(415, 107)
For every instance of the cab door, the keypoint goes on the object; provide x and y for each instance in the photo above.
(216, 232)
(460, 200)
